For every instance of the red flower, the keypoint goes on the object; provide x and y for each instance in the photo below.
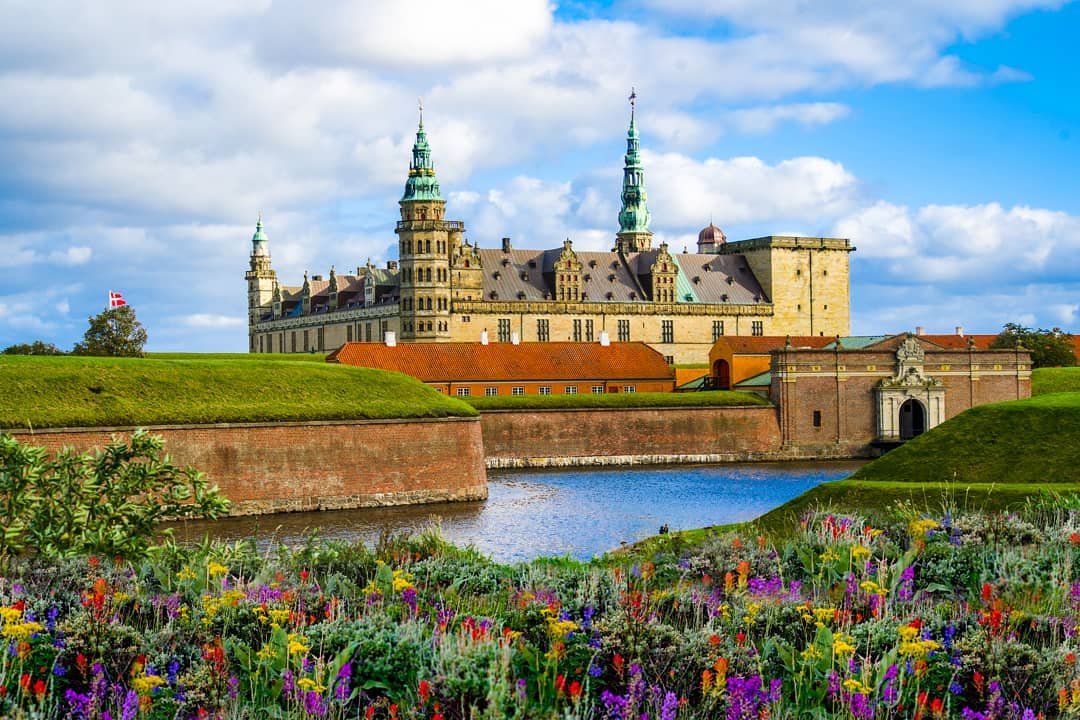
(304, 575)
(370, 712)
(617, 663)
(740, 638)
(916, 623)
(560, 683)
(714, 639)
(24, 681)
(575, 690)
(987, 593)
(977, 679)
(1075, 538)
(425, 691)
(1070, 658)
(936, 706)
(39, 688)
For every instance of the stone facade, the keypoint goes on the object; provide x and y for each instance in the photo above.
(444, 288)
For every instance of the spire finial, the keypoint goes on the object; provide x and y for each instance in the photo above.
(420, 107)
(633, 102)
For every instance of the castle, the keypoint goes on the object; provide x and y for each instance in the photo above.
(443, 288)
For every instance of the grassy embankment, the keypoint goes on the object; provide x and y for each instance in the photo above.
(616, 400)
(45, 392)
(991, 457)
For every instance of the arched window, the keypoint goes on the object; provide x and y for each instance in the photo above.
(428, 275)
(427, 244)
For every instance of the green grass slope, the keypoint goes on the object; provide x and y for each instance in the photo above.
(278, 357)
(1055, 380)
(1022, 441)
(616, 400)
(82, 391)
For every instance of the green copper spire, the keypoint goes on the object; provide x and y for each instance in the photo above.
(421, 184)
(634, 216)
(259, 240)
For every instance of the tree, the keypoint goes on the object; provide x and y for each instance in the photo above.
(108, 502)
(115, 332)
(35, 348)
(1049, 348)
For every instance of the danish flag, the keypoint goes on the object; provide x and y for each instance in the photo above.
(116, 299)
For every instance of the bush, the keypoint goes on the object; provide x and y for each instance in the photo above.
(108, 502)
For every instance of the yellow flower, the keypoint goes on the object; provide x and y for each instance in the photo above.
(860, 551)
(297, 644)
(872, 588)
(561, 628)
(918, 528)
(810, 653)
(402, 580)
(854, 686)
(842, 645)
(10, 614)
(145, 684)
(829, 555)
(213, 569)
(309, 684)
(186, 574)
(21, 631)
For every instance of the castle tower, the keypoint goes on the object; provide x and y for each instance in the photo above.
(634, 234)
(261, 278)
(425, 243)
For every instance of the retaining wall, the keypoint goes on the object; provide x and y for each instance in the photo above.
(561, 438)
(317, 465)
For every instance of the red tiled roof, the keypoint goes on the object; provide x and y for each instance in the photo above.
(495, 362)
(763, 344)
(959, 342)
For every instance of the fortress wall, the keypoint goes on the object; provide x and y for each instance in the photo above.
(284, 467)
(556, 438)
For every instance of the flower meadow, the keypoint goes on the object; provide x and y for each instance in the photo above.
(969, 616)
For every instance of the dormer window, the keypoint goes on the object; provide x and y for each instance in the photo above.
(521, 294)
(592, 263)
(494, 295)
(697, 279)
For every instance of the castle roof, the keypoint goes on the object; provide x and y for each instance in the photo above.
(506, 362)
(610, 277)
(712, 234)
(764, 344)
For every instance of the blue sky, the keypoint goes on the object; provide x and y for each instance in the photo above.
(139, 141)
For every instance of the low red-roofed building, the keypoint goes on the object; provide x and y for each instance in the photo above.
(734, 358)
(532, 368)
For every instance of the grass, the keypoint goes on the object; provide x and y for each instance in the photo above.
(45, 392)
(1022, 441)
(1045, 381)
(616, 400)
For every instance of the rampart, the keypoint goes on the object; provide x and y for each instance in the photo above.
(316, 465)
(628, 436)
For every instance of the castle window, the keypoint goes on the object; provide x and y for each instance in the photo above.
(306, 343)
(757, 328)
(348, 334)
(624, 331)
(517, 390)
(817, 418)
(367, 332)
(588, 331)
(598, 389)
(717, 329)
(466, 263)
(545, 390)
(491, 391)
(570, 390)
(260, 343)
(321, 335)
(667, 331)
(504, 329)
(463, 392)
(629, 388)
(293, 340)
(542, 330)
(466, 318)
(577, 331)
(427, 246)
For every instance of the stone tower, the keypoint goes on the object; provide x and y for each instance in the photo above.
(261, 278)
(426, 241)
(634, 234)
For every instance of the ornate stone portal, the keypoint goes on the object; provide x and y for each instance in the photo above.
(910, 403)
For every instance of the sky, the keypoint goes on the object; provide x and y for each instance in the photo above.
(140, 141)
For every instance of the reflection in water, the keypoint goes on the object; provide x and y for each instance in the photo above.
(578, 512)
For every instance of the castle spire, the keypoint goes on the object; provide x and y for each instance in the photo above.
(634, 235)
(421, 184)
(259, 242)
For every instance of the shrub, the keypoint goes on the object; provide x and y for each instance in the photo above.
(107, 503)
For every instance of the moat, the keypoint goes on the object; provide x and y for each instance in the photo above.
(579, 512)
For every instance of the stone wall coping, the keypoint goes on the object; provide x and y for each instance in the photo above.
(231, 425)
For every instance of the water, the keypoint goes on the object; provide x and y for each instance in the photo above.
(577, 512)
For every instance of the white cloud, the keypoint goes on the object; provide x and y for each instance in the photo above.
(765, 119)
(63, 307)
(206, 320)
(77, 255)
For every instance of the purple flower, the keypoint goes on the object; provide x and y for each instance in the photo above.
(522, 689)
(313, 704)
(234, 686)
(670, 706)
(341, 692)
(131, 706)
(615, 705)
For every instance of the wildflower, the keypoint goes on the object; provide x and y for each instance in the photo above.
(213, 569)
(575, 690)
(424, 691)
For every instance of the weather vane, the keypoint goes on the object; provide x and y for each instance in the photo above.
(633, 98)
(420, 107)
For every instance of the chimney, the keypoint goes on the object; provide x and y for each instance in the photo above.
(919, 329)
(483, 337)
(605, 340)
(960, 330)
(391, 340)
(515, 338)
(506, 244)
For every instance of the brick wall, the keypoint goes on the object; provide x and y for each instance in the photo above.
(569, 437)
(281, 467)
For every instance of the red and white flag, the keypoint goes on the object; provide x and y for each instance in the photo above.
(116, 299)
